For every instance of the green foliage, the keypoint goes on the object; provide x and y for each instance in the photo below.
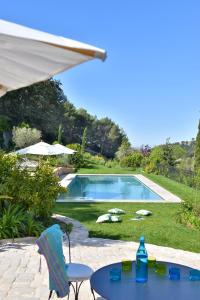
(93, 159)
(35, 192)
(4, 131)
(60, 132)
(197, 180)
(84, 140)
(44, 106)
(168, 155)
(178, 151)
(77, 159)
(161, 228)
(60, 161)
(24, 137)
(16, 222)
(197, 151)
(132, 160)
(111, 164)
(124, 149)
(155, 158)
(23, 125)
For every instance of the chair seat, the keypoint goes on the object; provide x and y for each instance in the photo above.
(78, 272)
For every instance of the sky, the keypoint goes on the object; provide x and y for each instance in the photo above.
(150, 83)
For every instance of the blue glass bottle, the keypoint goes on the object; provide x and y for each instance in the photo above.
(141, 262)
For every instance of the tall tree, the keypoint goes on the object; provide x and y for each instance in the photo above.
(60, 132)
(44, 107)
(197, 150)
(84, 140)
(168, 156)
(124, 149)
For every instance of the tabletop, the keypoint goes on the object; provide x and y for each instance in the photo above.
(156, 288)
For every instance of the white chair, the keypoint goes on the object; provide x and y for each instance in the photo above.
(77, 273)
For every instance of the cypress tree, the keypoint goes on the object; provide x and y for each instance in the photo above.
(197, 151)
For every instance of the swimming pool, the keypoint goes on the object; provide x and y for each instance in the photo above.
(107, 188)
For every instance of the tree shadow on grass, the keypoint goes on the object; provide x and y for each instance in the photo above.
(105, 235)
(79, 211)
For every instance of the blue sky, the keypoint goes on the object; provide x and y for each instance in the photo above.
(150, 82)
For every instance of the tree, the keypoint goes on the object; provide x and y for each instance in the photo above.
(60, 132)
(45, 107)
(5, 136)
(168, 156)
(133, 160)
(178, 151)
(24, 137)
(197, 150)
(84, 140)
(124, 149)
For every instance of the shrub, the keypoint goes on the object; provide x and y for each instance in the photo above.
(24, 137)
(16, 222)
(12, 222)
(197, 179)
(35, 192)
(76, 159)
(60, 161)
(132, 160)
(111, 164)
(93, 159)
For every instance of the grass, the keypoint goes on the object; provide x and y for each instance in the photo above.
(161, 228)
(100, 169)
(181, 190)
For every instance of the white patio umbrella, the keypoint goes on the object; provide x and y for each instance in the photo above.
(41, 148)
(28, 56)
(65, 150)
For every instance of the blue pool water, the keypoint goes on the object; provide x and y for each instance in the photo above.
(107, 187)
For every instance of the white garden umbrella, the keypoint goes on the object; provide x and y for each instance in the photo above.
(41, 148)
(65, 150)
(28, 56)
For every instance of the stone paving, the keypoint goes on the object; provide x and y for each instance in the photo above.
(19, 262)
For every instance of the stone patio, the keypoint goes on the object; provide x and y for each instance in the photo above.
(19, 262)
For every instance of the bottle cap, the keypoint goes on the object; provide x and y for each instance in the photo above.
(142, 238)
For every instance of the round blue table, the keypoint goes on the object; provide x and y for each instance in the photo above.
(156, 288)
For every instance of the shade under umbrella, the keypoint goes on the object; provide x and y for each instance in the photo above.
(40, 148)
(28, 56)
(65, 150)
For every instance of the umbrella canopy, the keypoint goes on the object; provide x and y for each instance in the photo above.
(65, 150)
(40, 148)
(28, 56)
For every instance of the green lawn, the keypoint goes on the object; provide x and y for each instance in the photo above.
(183, 191)
(161, 228)
(100, 169)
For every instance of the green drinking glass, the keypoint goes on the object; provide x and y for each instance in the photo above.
(151, 262)
(161, 269)
(126, 265)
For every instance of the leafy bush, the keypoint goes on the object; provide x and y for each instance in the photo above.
(189, 214)
(35, 192)
(24, 137)
(197, 179)
(93, 159)
(77, 159)
(132, 160)
(111, 164)
(190, 210)
(60, 161)
(16, 222)
(124, 149)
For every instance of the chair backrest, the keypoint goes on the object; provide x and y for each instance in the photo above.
(50, 245)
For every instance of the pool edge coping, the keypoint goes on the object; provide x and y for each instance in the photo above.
(167, 197)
